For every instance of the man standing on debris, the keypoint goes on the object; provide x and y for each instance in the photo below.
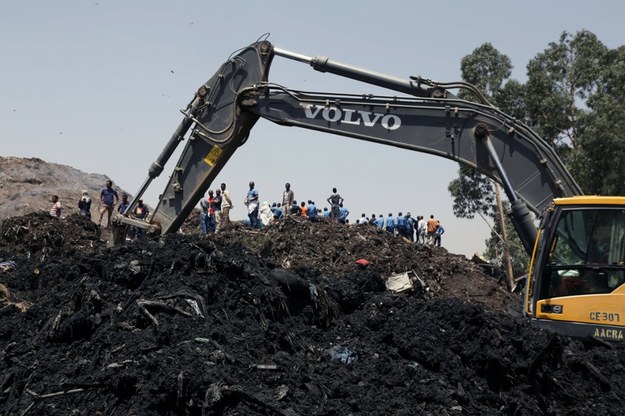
(410, 223)
(217, 209)
(303, 211)
(288, 196)
(400, 225)
(379, 222)
(343, 213)
(108, 199)
(84, 204)
(335, 202)
(123, 206)
(390, 224)
(141, 213)
(226, 206)
(420, 229)
(55, 211)
(210, 226)
(312, 211)
(204, 207)
(431, 227)
(438, 234)
(251, 201)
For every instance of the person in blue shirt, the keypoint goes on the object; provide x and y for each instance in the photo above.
(390, 223)
(326, 213)
(379, 221)
(312, 211)
(108, 198)
(400, 225)
(123, 206)
(277, 211)
(251, 201)
(343, 213)
(410, 226)
(437, 236)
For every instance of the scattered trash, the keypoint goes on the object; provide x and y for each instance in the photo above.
(400, 282)
(343, 354)
(7, 265)
(266, 367)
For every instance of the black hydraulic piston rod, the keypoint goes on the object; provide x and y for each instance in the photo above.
(178, 136)
(521, 217)
(325, 64)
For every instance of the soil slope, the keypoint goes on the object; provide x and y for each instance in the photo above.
(281, 321)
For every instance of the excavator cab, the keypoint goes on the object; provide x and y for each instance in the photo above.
(577, 275)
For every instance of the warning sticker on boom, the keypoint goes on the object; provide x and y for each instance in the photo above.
(212, 156)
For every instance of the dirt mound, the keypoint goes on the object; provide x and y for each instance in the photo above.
(281, 321)
(27, 184)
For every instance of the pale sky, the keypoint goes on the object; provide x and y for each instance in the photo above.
(98, 85)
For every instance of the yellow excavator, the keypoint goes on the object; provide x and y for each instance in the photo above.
(575, 284)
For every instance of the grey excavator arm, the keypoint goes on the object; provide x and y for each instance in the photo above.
(428, 119)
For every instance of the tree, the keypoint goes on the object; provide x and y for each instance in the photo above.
(601, 140)
(487, 69)
(560, 81)
(473, 193)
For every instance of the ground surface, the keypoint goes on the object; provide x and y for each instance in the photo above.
(280, 321)
(27, 184)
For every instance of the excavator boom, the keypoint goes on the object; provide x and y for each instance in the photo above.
(425, 117)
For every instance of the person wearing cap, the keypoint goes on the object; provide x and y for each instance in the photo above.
(84, 204)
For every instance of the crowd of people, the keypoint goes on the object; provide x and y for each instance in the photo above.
(109, 198)
(214, 217)
(216, 205)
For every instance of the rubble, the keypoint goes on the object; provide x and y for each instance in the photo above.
(279, 321)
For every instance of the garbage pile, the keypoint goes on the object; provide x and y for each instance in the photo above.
(282, 321)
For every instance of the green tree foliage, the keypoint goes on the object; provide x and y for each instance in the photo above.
(487, 69)
(472, 193)
(602, 141)
(574, 98)
(560, 81)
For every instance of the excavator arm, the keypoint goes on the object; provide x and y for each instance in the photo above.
(426, 118)
(576, 281)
